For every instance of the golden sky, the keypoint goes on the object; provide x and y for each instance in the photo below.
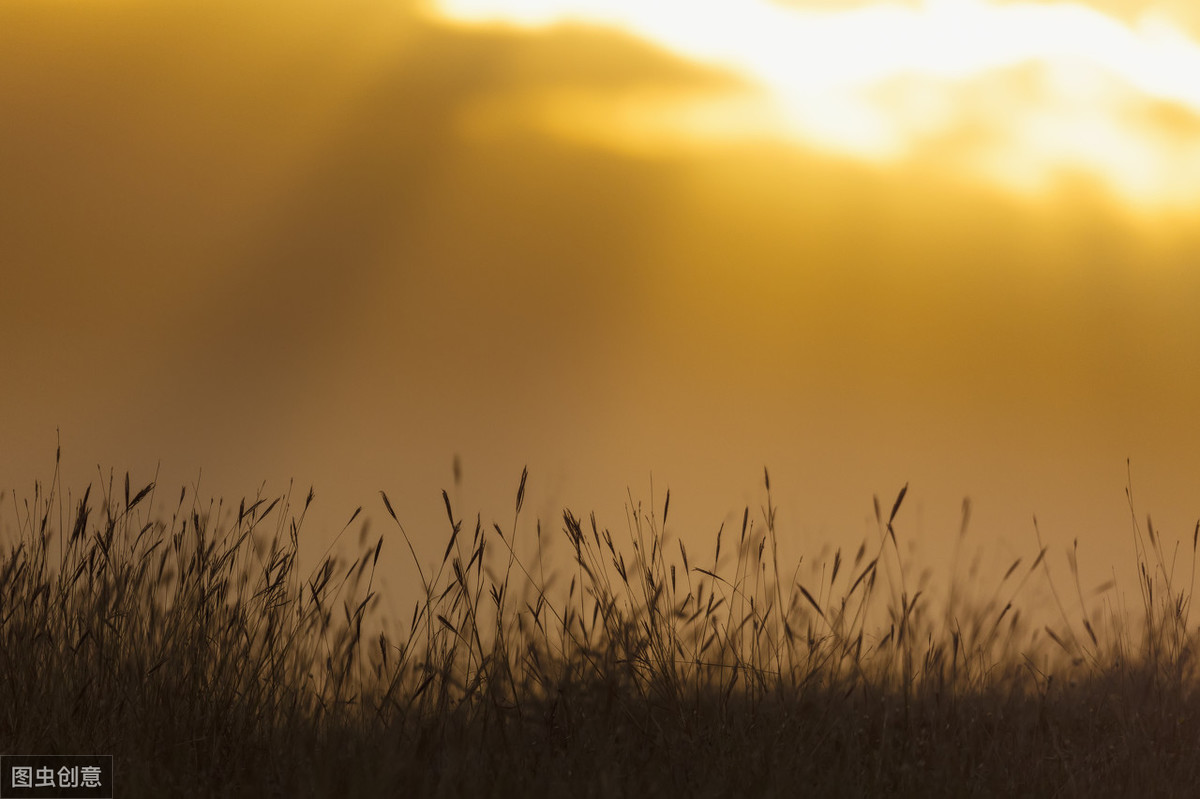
(955, 244)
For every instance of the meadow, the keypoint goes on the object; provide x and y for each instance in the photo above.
(185, 641)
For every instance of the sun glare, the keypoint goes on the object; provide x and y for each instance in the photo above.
(1017, 92)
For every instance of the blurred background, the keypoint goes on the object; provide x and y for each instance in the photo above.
(949, 244)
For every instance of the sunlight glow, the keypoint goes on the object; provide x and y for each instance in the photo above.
(1042, 89)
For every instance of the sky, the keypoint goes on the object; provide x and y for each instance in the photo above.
(634, 246)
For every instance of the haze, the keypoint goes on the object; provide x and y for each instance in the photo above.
(344, 243)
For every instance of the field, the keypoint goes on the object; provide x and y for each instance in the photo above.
(185, 643)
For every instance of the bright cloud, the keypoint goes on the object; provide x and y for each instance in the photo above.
(1056, 86)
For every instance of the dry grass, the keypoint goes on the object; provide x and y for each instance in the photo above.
(187, 644)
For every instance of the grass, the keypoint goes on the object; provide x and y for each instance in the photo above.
(186, 643)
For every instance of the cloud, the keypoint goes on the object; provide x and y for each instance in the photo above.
(1057, 87)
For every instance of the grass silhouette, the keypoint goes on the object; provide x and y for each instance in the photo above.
(188, 645)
